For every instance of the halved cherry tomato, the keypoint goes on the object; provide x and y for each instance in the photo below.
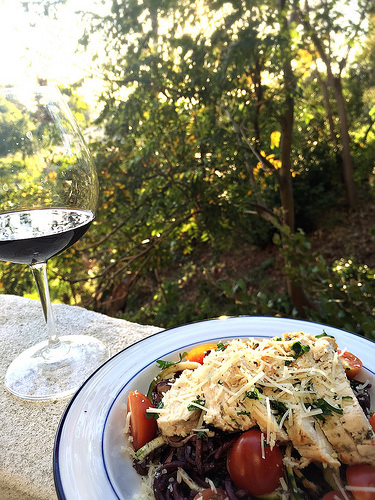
(333, 495)
(372, 421)
(362, 476)
(211, 495)
(198, 353)
(142, 428)
(249, 470)
(352, 364)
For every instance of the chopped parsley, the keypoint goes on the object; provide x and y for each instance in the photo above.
(221, 346)
(202, 435)
(326, 408)
(324, 334)
(198, 401)
(153, 415)
(253, 394)
(278, 406)
(299, 349)
(162, 364)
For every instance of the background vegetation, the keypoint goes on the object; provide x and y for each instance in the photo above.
(235, 149)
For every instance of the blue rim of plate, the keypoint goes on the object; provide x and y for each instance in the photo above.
(56, 470)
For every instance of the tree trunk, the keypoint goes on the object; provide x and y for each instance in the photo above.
(285, 176)
(287, 123)
(345, 143)
(335, 83)
(295, 290)
(328, 108)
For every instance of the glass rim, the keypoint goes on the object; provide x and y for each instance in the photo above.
(26, 88)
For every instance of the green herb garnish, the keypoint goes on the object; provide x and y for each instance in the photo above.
(253, 394)
(326, 408)
(278, 406)
(162, 364)
(153, 415)
(299, 349)
(221, 347)
(198, 401)
(324, 334)
(202, 435)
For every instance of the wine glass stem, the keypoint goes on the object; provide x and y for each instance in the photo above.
(40, 275)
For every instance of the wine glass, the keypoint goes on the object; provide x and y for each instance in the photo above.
(48, 197)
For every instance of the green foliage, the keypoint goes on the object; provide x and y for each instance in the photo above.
(346, 296)
(342, 295)
(190, 109)
(209, 298)
(174, 172)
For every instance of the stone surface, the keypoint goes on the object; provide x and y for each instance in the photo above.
(27, 429)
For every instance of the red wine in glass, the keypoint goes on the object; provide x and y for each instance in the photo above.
(34, 236)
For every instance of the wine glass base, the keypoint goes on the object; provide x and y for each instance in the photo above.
(42, 374)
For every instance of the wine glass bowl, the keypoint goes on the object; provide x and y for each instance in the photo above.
(40, 142)
(48, 197)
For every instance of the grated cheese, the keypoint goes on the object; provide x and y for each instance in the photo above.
(154, 410)
(283, 484)
(367, 489)
(212, 486)
(127, 423)
(288, 389)
(268, 418)
(363, 386)
(262, 445)
(311, 412)
(225, 367)
(198, 406)
(284, 417)
(250, 385)
(272, 384)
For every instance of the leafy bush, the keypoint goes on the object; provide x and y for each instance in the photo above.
(342, 295)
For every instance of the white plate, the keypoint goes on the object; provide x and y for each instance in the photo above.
(89, 462)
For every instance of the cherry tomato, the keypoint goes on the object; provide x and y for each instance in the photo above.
(333, 495)
(211, 495)
(362, 476)
(249, 470)
(142, 428)
(372, 421)
(198, 353)
(352, 364)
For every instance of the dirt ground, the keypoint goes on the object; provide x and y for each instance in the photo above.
(346, 234)
(342, 234)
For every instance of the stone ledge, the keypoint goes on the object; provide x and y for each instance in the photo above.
(27, 430)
